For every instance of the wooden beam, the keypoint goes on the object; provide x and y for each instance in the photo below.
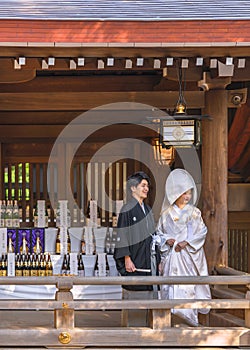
(115, 304)
(191, 74)
(63, 57)
(63, 63)
(8, 132)
(128, 337)
(38, 101)
(124, 50)
(38, 117)
(87, 82)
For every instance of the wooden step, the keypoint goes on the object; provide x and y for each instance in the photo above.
(226, 293)
(224, 319)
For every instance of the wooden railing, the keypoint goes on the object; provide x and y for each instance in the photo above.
(65, 334)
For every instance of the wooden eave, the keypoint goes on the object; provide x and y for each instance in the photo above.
(37, 102)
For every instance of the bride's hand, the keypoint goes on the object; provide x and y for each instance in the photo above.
(180, 246)
(170, 242)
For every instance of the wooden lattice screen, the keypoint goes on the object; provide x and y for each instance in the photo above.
(238, 249)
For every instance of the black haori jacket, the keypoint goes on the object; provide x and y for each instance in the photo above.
(135, 232)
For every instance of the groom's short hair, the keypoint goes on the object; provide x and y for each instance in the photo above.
(135, 179)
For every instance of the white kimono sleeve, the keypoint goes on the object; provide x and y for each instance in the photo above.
(163, 233)
(197, 232)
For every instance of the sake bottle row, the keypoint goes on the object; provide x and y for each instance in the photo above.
(26, 265)
(9, 214)
(99, 266)
(45, 264)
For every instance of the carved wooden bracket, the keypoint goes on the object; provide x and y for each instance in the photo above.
(208, 83)
(236, 98)
(16, 76)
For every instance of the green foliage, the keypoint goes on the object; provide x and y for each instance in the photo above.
(17, 174)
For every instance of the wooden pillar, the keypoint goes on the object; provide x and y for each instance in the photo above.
(160, 319)
(215, 172)
(64, 318)
(1, 172)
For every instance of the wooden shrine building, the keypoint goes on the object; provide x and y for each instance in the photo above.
(84, 86)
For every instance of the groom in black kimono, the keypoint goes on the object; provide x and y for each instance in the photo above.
(135, 254)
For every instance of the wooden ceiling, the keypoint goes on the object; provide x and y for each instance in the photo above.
(36, 104)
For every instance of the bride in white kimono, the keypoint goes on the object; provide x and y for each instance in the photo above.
(182, 235)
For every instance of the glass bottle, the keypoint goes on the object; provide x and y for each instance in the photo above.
(81, 272)
(82, 219)
(107, 266)
(114, 220)
(68, 264)
(75, 214)
(2, 213)
(35, 216)
(96, 268)
(42, 266)
(29, 264)
(1, 267)
(68, 217)
(8, 214)
(98, 217)
(68, 243)
(64, 265)
(33, 271)
(37, 264)
(58, 242)
(93, 242)
(27, 213)
(26, 271)
(113, 242)
(21, 260)
(18, 267)
(49, 267)
(24, 247)
(15, 215)
(88, 214)
(83, 242)
(38, 247)
(57, 215)
(4, 265)
(107, 241)
(47, 216)
(10, 244)
(20, 213)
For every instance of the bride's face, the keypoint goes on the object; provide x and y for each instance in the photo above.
(184, 199)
